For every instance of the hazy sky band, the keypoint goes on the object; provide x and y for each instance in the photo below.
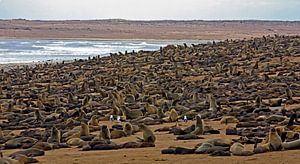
(151, 9)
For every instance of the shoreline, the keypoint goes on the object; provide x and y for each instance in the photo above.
(104, 39)
(7, 66)
(92, 42)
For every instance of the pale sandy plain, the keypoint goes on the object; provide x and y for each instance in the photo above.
(124, 29)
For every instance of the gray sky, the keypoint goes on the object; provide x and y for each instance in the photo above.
(151, 9)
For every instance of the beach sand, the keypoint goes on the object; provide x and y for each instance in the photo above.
(153, 30)
(123, 29)
(153, 155)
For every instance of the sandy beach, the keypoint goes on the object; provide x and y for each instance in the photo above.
(161, 30)
(150, 82)
(153, 155)
(189, 69)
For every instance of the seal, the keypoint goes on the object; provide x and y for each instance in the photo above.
(229, 119)
(173, 116)
(84, 130)
(239, 150)
(93, 121)
(105, 133)
(273, 142)
(55, 136)
(148, 135)
(128, 129)
(199, 126)
(212, 103)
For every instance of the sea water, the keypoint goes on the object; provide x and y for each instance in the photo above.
(27, 51)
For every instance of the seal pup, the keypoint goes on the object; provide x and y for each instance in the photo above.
(161, 114)
(40, 105)
(38, 116)
(75, 130)
(151, 109)
(55, 136)
(229, 119)
(258, 102)
(199, 126)
(84, 130)
(43, 146)
(1, 134)
(76, 142)
(212, 103)
(239, 150)
(105, 133)
(289, 93)
(93, 121)
(273, 142)
(173, 116)
(117, 134)
(131, 113)
(148, 135)
(128, 129)
(203, 148)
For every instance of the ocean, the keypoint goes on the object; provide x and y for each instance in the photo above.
(28, 51)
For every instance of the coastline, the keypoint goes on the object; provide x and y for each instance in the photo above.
(106, 39)
(7, 66)
(116, 45)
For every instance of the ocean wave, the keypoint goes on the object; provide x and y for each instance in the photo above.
(3, 50)
(139, 44)
(71, 49)
(115, 47)
(117, 43)
(58, 42)
(147, 44)
(24, 43)
(43, 50)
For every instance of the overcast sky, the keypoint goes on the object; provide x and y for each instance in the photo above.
(151, 9)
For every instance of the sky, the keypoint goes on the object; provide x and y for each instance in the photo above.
(150, 9)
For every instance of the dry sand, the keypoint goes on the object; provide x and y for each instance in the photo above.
(153, 155)
(123, 29)
(119, 29)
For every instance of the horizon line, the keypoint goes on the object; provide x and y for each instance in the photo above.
(156, 20)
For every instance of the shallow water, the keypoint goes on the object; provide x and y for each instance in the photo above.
(27, 51)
